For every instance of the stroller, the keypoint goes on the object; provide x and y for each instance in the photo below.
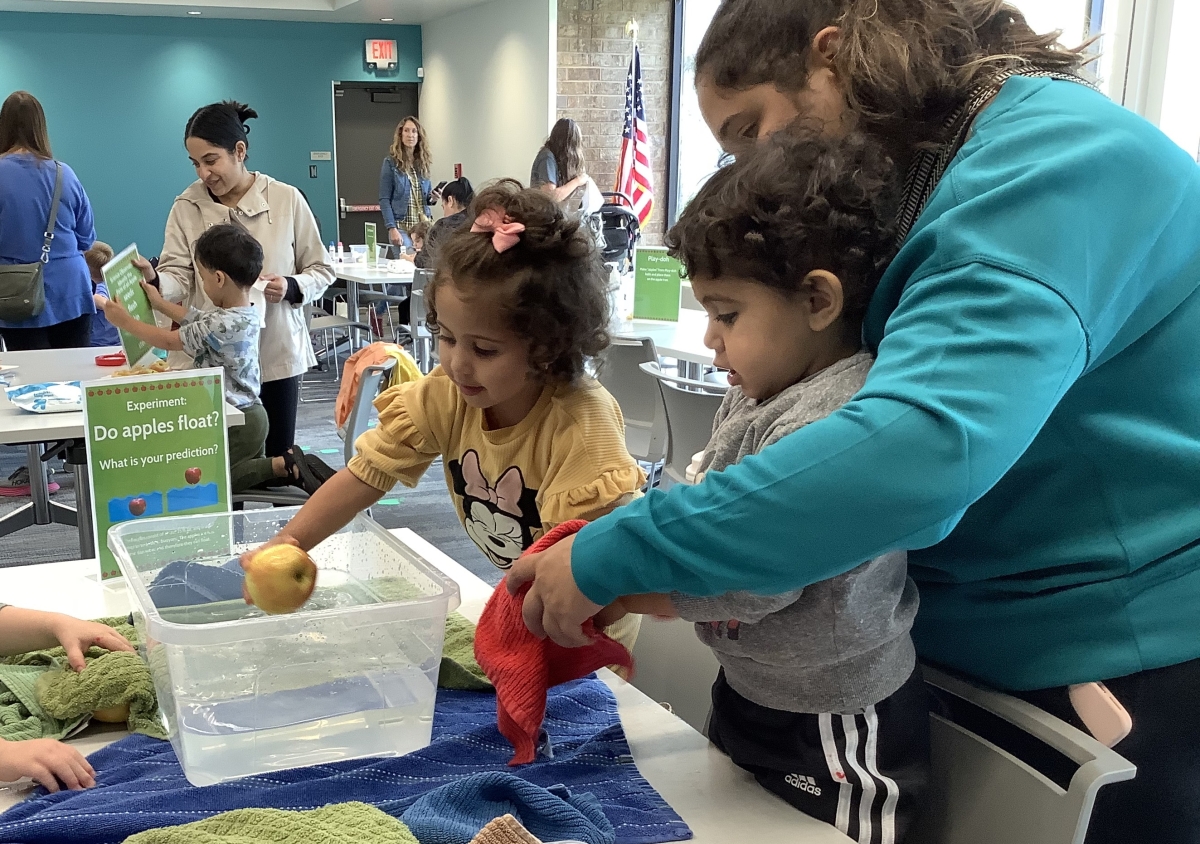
(619, 230)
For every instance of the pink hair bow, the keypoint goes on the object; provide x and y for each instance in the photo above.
(505, 231)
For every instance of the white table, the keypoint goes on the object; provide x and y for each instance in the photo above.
(360, 274)
(720, 802)
(33, 429)
(682, 340)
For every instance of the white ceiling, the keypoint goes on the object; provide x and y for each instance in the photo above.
(327, 11)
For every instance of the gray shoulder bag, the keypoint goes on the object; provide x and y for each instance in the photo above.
(22, 289)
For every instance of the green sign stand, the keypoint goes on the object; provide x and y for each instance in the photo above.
(372, 256)
(156, 446)
(124, 281)
(657, 278)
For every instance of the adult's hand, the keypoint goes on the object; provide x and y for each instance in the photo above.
(144, 265)
(554, 606)
(276, 287)
(394, 237)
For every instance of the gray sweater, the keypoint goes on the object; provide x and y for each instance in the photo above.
(835, 646)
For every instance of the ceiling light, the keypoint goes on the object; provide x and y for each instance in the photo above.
(193, 13)
(387, 20)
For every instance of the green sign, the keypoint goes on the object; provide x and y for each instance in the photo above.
(372, 258)
(657, 278)
(156, 446)
(124, 281)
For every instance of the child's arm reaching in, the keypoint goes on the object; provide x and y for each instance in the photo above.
(160, 338)
(46, 761)
(31, 630)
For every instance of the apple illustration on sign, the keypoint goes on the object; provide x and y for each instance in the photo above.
(279, 578)
(137, 506)
(192, 475)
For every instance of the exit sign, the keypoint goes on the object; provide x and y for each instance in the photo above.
(380, 53)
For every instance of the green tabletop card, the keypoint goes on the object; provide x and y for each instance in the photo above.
(124, 282)
(657, 278)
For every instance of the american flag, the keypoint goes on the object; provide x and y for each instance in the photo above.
(633, 175)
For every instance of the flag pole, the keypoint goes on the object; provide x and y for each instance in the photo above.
(631, 32)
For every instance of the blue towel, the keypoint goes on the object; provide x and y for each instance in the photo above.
(140, 785)
(454, 813)
(186, 584)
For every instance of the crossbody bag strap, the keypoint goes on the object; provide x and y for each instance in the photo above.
(53, 213)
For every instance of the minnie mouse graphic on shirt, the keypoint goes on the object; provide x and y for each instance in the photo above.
(500, 519)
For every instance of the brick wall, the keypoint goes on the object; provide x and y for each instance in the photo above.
(593, 61)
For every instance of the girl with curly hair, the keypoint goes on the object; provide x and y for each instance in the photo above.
(519, 304)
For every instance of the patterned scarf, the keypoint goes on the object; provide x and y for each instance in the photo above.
(930, 164)
(416, 202)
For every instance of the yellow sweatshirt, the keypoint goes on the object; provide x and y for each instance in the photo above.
(565, 460)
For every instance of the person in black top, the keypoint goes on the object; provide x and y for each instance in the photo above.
(456, 197)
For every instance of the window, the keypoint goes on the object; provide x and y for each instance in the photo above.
(698, 153)
(1180, 113)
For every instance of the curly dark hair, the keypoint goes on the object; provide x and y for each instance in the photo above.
(552, 286)
(796, 203)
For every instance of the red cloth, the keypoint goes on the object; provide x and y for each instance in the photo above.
(522, 667)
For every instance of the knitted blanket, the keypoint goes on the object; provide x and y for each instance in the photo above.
(42, 697)
(140, 785)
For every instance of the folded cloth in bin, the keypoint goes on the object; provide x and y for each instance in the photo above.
(140, 786)
(504, 830)
(455, 813)
(341, 823)
(185, 584)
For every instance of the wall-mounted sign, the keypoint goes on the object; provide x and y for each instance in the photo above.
(381, 54)
(320, 155)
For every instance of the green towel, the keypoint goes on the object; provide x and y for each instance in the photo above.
(63, 699)
(22, 716)
(339, 823)
(459, 670)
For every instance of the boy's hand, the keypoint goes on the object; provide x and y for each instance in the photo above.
(155, 297)
(76, 636)
(46, 761)
(610, 615)
(114, 311)
(144, 265)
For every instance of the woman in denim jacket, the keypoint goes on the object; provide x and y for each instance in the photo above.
(407, 163)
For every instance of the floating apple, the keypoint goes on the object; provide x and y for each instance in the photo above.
(279, 578)
(137, 506)
(192, 475)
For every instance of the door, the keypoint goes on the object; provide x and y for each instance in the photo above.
(365, 115)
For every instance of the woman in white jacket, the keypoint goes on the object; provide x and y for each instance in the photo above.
(296, 268)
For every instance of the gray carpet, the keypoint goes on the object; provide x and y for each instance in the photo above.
(427, 510)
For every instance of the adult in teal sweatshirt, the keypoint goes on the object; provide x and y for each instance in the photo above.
(1031, 429)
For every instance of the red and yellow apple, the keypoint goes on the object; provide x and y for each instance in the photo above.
(279, 578)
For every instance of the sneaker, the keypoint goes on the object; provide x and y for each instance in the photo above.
(17, 484)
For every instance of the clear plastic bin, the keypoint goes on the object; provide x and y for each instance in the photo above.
(353, 673)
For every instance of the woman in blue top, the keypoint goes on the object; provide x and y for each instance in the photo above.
(27, 176)
(406, 166)
(1031, 429)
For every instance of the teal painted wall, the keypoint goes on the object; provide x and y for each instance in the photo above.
(118, 91)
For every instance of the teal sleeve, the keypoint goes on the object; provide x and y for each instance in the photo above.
(972, 363)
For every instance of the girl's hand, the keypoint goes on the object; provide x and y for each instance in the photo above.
(114, 311)
(144, 265)
(76, 636)
(46, 761)
(435, 196)
(394, 237)
(275, 289)
(611, 614)
(554, 606)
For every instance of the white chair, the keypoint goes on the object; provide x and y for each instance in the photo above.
(370, 382)
(981, 793)
(637, 395)
(422, 337)
(691, 407)
(675, 667)
(328, 326)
